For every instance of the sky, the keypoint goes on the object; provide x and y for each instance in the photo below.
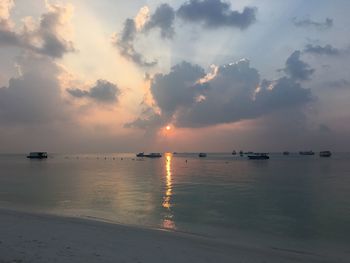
(88, 76)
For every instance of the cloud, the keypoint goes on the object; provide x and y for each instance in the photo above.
(125, 44)
(47, 38)
(163, 18)
(215, 13)
(142, 18)
(307, 22)
(34, 96)
(325, 128)
(328, 50)
(296, 68)
(5, 8)
(178, 88)
(149, 120)
(187, 97)
(339, 84)
(103, 91)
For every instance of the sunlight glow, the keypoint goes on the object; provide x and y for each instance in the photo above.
(168, 218)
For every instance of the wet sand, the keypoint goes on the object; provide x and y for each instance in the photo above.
(32, 237)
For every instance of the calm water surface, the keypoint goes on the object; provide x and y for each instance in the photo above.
(299, 197)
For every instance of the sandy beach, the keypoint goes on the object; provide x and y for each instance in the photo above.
(31, 237)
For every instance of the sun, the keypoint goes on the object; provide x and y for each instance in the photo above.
(168, 128)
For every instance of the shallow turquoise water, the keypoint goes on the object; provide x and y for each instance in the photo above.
(299, 197)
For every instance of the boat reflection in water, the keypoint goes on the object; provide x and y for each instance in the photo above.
(168, 221)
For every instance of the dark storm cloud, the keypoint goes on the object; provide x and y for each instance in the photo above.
(163, 18)
(103, 91)
(215, 13)
(178, 88)
(307, 22)
(33, 97)
(232, 93)
(125, 44)
(328, 50)
(47, 34)
(286, 92)
(296, 68)
(8, 38)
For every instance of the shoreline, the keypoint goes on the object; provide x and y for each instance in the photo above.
(39, 237)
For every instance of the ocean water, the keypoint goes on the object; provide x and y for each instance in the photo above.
(303, 198)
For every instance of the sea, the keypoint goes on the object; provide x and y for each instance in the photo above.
(292, 199)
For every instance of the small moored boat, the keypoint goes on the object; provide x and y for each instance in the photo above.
(325, 154)
(306, 153)
(234, 152)
(202, 155)
(37, 155)
(259, 156)
(151, 155)
(286, 153)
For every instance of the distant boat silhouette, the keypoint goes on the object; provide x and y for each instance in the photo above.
(286, 153)
(234, 152)
(259, 156)
(306, 153)
(202, 155)
(325, 154)
(37, 155)
(151, 155)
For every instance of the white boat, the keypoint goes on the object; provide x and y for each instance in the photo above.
(37, 155)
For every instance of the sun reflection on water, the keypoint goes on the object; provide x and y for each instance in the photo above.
(168, 221)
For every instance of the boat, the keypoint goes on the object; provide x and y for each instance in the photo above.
(306, 153)
(202, 155)
(325, 154)
(37, 155)
(241, 153)
(234, 152)
(285, 153)
(259, 156)
(151, 155)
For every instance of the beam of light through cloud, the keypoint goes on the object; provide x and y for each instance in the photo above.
(61, 71)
